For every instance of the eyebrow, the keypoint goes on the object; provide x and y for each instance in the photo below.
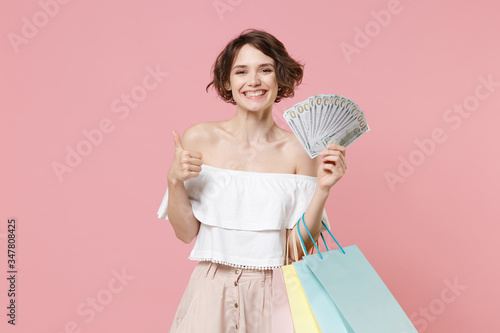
(245, 66)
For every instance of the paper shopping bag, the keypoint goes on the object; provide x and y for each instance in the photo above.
(281, 316)
(357, 290)
(302, 315)
(328, 316)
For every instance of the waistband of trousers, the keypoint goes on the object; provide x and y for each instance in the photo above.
(213, 268)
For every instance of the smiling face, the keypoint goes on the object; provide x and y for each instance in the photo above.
(252, 80)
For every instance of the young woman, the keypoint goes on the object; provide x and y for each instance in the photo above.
(240, 186)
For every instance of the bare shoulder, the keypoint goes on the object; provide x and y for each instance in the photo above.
(196, 137)
(304, 165)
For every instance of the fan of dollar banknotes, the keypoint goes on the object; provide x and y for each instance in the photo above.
(325, 119)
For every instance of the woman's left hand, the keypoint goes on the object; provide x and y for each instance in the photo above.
(332, 167)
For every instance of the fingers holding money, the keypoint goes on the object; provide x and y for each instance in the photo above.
(333, 162)
(333, 147)
(335, 156)
(332, 167)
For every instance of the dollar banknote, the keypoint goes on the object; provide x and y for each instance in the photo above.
(325, 119)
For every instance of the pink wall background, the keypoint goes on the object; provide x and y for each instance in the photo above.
(435, 227)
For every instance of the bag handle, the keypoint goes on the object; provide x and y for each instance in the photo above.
(294, 241)
(294, 247)
(302, 241)
(321, 233)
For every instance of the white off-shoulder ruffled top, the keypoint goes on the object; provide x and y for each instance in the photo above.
(244, 214)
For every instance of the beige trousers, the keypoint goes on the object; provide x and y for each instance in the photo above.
(220, 299)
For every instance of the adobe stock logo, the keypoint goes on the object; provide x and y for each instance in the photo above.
(89, 309)
(437, 306)
(372, 29)
(30, 28)
(95, 136)
(223, 6)
(427, 146)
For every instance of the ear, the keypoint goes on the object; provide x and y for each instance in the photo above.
(227, 86)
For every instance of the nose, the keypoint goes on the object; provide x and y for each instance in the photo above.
(254, 79)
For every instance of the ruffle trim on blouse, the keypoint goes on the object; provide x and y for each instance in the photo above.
(233, 265)
(247, 200)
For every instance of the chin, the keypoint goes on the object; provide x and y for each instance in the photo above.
(256, 108)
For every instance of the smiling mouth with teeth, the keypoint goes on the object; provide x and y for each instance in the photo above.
(255, 93)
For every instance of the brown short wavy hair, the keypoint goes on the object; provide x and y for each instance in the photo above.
(289, 72)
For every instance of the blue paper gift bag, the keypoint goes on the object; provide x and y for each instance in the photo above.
(328, 316)
(359, 294)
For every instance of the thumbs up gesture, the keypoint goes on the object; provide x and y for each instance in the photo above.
(186, 164)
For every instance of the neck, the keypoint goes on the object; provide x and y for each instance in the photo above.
(252, 126)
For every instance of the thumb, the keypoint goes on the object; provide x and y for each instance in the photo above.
(177, 140)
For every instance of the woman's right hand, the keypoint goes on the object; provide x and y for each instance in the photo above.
(186, 164)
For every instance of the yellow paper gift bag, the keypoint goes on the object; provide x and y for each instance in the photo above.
(302, 314)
